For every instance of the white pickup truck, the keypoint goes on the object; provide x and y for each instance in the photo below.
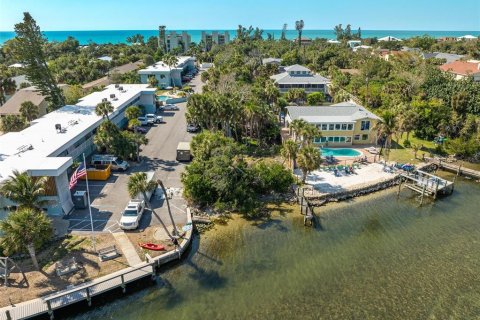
(132, 215)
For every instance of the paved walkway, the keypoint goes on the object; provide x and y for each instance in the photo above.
(127, 248)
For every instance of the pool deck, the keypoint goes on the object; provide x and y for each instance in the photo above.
(325, 182)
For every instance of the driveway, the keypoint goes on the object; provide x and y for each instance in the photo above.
(109, 198)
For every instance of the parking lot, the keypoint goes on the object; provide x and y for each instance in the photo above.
(109, 198)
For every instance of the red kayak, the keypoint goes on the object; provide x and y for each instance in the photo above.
(152, 246)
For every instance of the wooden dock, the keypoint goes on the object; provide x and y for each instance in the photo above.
(426, 184)
(85, 292)
(459, 170)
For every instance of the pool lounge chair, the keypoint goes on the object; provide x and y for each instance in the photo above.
(372, 150)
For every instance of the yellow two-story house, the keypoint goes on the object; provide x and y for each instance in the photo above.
(342, 124)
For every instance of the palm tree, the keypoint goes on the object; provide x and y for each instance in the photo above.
(299, 27)
(272, 93)
(168, 205)
(297, 126)
(136, 138)
(387, 127)
(26, 228)
(309, 159)
(24, 189)
(416, 147)
(103, 109)
(289, 152)
(133, 112)
(171, 61)
(308, 133)
(29, 110)
(152, 81)
(139, 184)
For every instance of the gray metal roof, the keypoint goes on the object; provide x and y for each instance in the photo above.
(296, 67)
(286, 78)
(449, 57)
(340, 112)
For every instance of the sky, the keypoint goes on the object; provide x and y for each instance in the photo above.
(428, 15)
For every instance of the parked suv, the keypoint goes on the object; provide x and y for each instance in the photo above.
(107, 159)
(192, 128)
(132, 214)
(154, 118)
(170, 107)
(146, 121)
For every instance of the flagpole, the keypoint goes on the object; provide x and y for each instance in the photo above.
(89, 207)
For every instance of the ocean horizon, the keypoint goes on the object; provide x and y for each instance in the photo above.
(120, 36)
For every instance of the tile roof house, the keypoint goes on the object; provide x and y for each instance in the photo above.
(341, 124)
(297, 76)
(463, 69)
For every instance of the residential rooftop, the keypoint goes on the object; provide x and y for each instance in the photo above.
(343, 112)
(162, 66)
(463, 68)
(37, 147)
(449, 57)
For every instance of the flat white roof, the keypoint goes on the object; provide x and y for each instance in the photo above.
(35, 147)
(160, 66)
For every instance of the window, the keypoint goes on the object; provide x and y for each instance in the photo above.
(324, 126)
(316, 140)
(330, 139)
(331, 126)
(336, 139)
(319, 126)
(364, 136)
(350, 126)
(348, 139)
(356, 137)
(365, 125)
(337, 126)
(344, 126)
(323, 139)
(342, 139)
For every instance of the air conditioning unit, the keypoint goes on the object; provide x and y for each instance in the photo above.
(104, 100)
(120, 88)
(117, 85)
(112, 96)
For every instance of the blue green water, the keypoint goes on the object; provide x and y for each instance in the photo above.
(162, 98)
(119, 36)
(375, 257)
(340, 152)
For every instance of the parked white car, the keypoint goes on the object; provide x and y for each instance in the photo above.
(170, 107)
(132, 214)
(144, 121)
(154, 118)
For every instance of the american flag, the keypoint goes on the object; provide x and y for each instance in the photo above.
(80, 172)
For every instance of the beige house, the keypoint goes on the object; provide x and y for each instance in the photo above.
(342, 124)
(463, 69)
(12, 106)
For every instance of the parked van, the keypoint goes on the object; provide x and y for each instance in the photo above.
(108, 159)
(183, 151)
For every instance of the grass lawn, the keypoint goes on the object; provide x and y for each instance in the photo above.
(401, 154)
(160, 92)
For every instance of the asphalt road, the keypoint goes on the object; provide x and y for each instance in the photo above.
(110, 198)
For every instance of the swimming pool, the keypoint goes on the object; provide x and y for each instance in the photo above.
(340, 152)
(163, 98)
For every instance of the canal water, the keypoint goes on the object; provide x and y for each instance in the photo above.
(376, 257)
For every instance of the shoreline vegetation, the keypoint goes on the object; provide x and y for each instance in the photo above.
(241, 160)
